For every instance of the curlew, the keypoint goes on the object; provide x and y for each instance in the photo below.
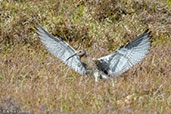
(111, 65)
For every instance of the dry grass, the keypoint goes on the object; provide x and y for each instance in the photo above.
(31, 79)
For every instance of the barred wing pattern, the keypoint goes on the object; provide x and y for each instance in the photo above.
(61, 50)
(126, 56)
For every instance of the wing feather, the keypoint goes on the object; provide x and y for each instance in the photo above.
(61, 50)
(126, 56)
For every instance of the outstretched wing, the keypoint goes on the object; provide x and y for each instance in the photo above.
(126, 56)
(61, 50)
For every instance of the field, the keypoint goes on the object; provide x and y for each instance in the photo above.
(32, 81)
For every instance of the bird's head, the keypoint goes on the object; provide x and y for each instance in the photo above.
(79, 53)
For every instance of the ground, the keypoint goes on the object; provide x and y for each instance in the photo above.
(34, 81)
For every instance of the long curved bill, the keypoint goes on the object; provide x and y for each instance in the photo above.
(71, 56)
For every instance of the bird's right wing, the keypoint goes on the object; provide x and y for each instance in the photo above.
(126, 56)
(61, 50)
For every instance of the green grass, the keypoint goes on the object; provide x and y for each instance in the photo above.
(33, 79)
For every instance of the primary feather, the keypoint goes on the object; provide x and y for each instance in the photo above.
(126, 56)
(61, 50)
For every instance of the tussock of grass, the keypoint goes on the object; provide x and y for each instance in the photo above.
(31, 79)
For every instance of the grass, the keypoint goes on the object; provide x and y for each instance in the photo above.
(31, 79)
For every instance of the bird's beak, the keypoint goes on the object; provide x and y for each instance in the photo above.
(71, 56)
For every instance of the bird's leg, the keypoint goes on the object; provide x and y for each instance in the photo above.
(104, 76)
(113, 83)
(96, 75)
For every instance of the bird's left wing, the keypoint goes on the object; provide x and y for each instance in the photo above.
(126, 56)
(61, 50)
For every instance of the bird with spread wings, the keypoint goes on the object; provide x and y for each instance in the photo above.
(111, 65)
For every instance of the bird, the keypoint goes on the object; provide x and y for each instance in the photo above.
(106, 67)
